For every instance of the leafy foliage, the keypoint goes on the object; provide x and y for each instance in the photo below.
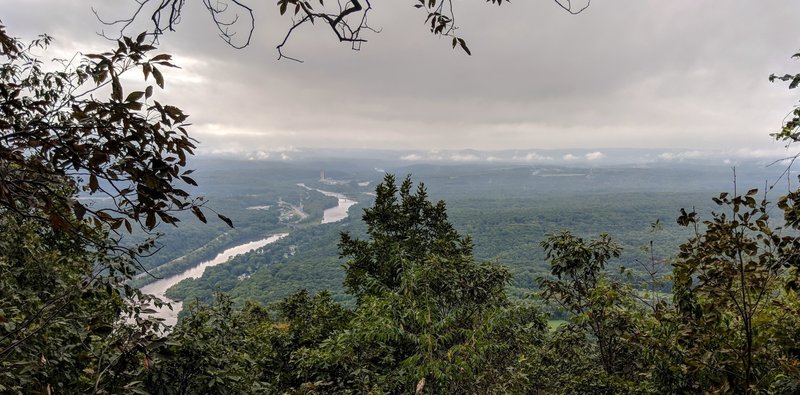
(69, 322)
(726, 278)
(426, 312)
(598, 306)
(60, 327)
(127, 147)
(789, 131)
(207, 353)
(403, 228)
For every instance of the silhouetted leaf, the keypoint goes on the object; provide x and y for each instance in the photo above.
(226, 220)
(199, 214)
(159, 78)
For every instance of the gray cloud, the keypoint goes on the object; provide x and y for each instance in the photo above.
(675, 74)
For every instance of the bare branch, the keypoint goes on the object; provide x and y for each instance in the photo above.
(568, 6)
(347, 22)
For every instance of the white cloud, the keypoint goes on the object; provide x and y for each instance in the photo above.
(259, 155)
(667, 156)
(411, 157)
(761, 153)
(597, 155)
(569, 157)
(464, 158)
(694, 154)
(533, 156)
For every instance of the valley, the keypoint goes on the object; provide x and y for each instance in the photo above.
(506, 208)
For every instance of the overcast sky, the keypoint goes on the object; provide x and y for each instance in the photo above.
(638, 73)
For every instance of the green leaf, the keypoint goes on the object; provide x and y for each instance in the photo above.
(159, 78)
(795, 82)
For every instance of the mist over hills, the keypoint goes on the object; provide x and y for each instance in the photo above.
(460, 174)
(567, 157)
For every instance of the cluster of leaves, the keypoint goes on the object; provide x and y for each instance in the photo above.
(66, 325)
(69, 323)
(125, 147)
(789, 132)
(731, 327)
(729, 279)
(598, 306)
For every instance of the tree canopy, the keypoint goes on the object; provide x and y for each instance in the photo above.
(83, 160)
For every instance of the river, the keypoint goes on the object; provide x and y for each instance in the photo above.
(159, 288)
(337, 213)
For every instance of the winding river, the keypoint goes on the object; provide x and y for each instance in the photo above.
(338, 213)
(159, 288)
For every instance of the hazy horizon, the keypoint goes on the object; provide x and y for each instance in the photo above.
(570, 156)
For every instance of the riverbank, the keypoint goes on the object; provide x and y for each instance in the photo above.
(159, 288)
(337, 213)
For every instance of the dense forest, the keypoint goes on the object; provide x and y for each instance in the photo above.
(470, 282)
(429, 317)
(505, 209)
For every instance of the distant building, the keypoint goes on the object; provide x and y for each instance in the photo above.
(330, 181)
